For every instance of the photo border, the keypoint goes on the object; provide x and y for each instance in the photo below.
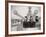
(6, 18)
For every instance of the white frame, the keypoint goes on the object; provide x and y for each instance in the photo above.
(23, 32)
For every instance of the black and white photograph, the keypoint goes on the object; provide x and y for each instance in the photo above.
(25, 18)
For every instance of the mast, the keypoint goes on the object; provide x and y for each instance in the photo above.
(29, 12)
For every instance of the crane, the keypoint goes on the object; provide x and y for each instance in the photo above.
(28, 14)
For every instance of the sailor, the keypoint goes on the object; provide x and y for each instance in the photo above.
(31, 22)
(25, 23)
